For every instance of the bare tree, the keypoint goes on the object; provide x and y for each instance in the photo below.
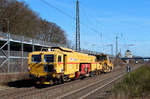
(24, 21)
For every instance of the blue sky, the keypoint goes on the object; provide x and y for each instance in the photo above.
(128, 19)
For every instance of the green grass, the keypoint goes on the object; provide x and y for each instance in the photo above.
(135, 84)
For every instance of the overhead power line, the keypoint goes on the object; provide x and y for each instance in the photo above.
(68, 15)
(59, 10)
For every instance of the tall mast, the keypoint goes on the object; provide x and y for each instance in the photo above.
(77, 27)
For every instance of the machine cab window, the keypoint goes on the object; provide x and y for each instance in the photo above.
(59, 58)
(49, 58)
(36, 59)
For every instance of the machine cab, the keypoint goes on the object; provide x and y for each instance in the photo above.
(45, 62)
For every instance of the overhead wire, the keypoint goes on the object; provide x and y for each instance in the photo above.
(82, 5)
(59, 10)
(68, 15)
(87, 15)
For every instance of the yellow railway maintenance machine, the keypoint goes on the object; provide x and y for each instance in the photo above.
(58, 64)
(104, 60)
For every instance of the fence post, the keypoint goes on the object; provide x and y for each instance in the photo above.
(32, 45)
(8, 52)
(22, 50)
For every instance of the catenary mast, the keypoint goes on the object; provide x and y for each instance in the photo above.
(77, 27)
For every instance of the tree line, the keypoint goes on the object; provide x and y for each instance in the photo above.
(23, 21)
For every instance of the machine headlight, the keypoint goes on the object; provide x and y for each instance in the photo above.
(29, 68)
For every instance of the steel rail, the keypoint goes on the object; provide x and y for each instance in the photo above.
(88, 86)
(34, 91)
(93, 91)
(77, 90)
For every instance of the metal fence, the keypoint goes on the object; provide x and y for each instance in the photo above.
(16, 61)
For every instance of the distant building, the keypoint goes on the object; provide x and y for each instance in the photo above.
(128, 54)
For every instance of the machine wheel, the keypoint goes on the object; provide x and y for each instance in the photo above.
(91, 74)
(110, 68)
(62, 79)
(105, 68)
(77, 75)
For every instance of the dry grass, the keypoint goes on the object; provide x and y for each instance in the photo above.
(133, 85)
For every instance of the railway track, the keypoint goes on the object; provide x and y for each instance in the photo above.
(55, 91)
(89, 89)
(70, 90)
(104, 90)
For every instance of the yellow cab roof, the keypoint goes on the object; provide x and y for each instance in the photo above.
(43, 52)
(61, 50)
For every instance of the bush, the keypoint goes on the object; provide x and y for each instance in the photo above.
(135, 84)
